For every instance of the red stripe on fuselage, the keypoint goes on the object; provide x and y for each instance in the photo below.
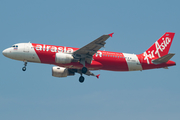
(46, 53)
(113, 61)
(104, 60)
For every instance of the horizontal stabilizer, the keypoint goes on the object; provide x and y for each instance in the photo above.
(163, 59)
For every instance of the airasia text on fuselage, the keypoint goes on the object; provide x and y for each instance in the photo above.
(48, 48)
(54, 48)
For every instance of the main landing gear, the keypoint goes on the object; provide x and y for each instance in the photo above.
(83, 71)
(81, 79)
(24, 68)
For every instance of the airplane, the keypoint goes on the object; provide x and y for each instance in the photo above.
(70, 60)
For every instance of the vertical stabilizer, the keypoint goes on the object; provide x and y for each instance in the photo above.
(161, 46)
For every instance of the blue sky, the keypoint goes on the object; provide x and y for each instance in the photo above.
(35, 94)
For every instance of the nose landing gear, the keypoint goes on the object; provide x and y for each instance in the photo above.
(24, 68)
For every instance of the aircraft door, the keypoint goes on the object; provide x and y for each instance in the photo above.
(26, 47)
(26, 51)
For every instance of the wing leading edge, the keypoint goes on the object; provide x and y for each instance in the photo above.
(90, 49)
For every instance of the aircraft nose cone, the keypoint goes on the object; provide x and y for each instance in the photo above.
(5, 52)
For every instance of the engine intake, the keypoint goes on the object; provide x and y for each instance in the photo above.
(61, 72)
(63, 58)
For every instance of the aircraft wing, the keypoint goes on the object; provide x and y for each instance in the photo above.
(88, 73)
(91, 74)
(90, 49)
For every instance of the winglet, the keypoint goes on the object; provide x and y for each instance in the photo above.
(111, 34)
(98, 76)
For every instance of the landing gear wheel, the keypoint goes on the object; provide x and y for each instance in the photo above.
(84, 70)
(24, 68)
(25, 64)
(81, 79)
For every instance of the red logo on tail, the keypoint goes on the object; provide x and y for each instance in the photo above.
(160, 47)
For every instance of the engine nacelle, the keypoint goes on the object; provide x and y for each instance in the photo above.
(61, 72)
(63, 58)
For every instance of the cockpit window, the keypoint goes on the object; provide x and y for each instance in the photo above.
(15, 46)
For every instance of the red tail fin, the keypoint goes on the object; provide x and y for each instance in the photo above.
(160, 47)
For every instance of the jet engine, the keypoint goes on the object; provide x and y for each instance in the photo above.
(63, 58)
(61, 72)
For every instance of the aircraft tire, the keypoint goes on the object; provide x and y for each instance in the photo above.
(24, 68)
(81, 79)
(84, 70)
